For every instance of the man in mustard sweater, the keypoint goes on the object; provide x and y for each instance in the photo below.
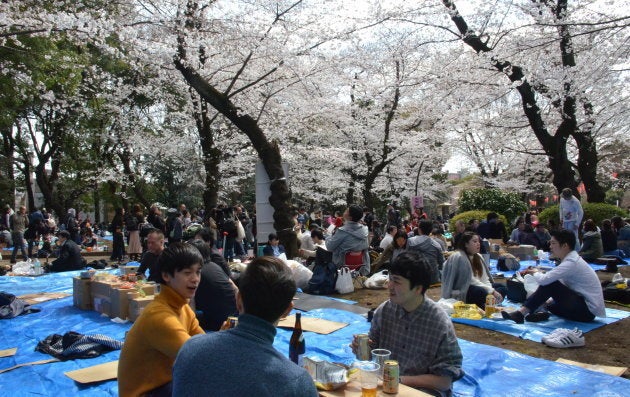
(151, 345)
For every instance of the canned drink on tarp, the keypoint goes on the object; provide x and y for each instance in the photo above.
(363, 351)
(232, 321)
(391, 376)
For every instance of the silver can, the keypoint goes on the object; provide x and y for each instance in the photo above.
(363, 350)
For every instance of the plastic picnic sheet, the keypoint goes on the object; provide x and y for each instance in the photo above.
(490, 371)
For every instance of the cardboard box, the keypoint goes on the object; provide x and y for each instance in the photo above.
(82, 293)
(128, 269)
(137, 305)
(120, 299)
(522, 251)
(101, 295)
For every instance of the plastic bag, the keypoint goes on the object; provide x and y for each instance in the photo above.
(447, 305)
(378, 280)
(344, 283)
(531, 285)
(301, 274)
(23, 268)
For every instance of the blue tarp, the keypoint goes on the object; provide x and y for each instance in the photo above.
(490, 371)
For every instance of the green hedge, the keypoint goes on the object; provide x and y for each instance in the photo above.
(495, 200)
(595, 211)
(470, 215)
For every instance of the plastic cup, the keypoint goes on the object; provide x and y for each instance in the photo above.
(369, 378)
(379, 356)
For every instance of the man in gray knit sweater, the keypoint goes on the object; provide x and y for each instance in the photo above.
(242, 361)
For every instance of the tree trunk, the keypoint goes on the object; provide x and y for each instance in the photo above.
(554, 146)
(7, 176)
(268, 152)
(211, 154)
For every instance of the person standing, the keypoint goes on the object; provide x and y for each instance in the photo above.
(117, 229)
(242, 361)
(132, 224)
(19, 223)
(571, 214)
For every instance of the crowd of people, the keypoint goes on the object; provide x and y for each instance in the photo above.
(167, 351)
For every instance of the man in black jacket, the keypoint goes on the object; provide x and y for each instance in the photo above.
(69, 255)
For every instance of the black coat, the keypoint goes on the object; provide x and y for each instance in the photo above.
(69, 258)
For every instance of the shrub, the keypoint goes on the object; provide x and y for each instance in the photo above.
(470, 215)
(595, 211)
(495, 200)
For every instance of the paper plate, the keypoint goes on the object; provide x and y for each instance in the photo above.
(496, 316)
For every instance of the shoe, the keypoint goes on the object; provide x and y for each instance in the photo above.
(554, 333)
(565, 338)
(537, 317)
(515, 316)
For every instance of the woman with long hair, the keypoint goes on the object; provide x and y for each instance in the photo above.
(466, 276)
(397, 246)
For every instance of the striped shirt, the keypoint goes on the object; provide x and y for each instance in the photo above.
(422, 341)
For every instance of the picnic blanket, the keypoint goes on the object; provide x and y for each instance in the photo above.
(490, 371)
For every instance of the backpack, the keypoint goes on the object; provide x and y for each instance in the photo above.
(324, 274)
(145, 228)
(131, 222)
(11, 307)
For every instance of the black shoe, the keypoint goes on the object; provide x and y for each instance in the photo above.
(537, 317)
(515, 316)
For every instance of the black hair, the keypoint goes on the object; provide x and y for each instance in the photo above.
(64, 233)
(400, 233)
(273, 236)
(465, 239)
(267, 288)
(204, 248)
(317, 233)
(390, 228)
(413, 267)
(564, 236)
(491, 216)
(205, 234)
(425, 226)
(177, 257)
(355, 212)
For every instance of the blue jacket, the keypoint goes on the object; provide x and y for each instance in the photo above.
(239, 362)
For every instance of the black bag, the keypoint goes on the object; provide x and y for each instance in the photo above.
(506, 264)
(516, 290)
(145, 229)
(614, 294)
(324, 274)
(11, 307)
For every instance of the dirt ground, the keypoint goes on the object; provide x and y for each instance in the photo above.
(604, 346)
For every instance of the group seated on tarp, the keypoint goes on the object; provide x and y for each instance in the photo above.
(489, 370)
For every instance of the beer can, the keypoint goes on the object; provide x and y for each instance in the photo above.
(363, 351)
(391, 375)
(232, 321)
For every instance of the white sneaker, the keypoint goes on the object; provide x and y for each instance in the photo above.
(554, 333)
(565, 338)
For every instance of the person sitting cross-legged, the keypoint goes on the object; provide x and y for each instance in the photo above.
(571, 290)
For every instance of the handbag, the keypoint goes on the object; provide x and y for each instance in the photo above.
(344, 283)
(516, 290)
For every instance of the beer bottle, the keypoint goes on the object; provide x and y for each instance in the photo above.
(297, 346)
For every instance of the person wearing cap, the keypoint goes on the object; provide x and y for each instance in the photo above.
(69, 254)
(571, 213)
